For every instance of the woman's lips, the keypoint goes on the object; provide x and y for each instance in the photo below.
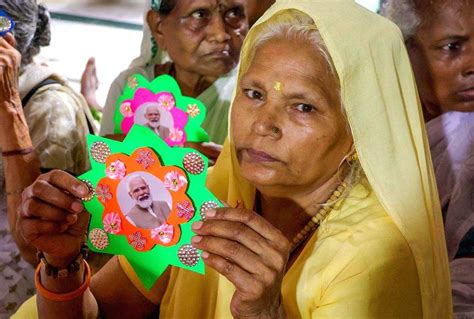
(467, 95)
(225, 53)
(259, 156)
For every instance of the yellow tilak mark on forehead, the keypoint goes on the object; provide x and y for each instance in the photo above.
(278, 86)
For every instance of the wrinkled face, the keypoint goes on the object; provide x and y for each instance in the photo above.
(288, 127)
(140, 192)
(203, 36)
(442, 53)
(152, 114)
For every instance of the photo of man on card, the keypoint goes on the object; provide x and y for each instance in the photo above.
(146, 213)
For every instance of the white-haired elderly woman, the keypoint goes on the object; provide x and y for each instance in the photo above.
(40, 118)
(440, 39)
(333, 205)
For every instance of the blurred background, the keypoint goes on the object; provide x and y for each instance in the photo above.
(109, 30)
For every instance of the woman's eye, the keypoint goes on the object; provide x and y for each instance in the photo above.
(199, 14)
(305, 108)
(233, 15)
(253, 95)
(454, 46)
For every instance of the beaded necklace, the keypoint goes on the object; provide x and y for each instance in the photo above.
(318, 218)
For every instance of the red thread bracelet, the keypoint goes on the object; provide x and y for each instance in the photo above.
(23, 151)
(66, 296)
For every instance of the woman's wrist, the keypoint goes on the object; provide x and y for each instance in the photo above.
(14, 132)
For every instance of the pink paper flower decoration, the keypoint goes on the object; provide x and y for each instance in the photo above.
(137, 240)
(164, 233)
(176, 135)
(166, 100)
(174, 181)
(116, 170)
(185, 210)
(193, 110)
(126, 109)
(112, 223)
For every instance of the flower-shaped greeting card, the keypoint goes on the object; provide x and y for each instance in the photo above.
(160, 106)
(144, 198)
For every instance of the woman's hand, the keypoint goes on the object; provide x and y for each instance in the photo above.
(251, 253)
(52, 217)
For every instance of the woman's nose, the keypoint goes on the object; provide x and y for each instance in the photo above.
(266, 124)
(468, 70)
(216, 29)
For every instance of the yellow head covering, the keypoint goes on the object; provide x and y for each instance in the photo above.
(382, 106)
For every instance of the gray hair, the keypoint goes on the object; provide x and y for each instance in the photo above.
(135, 178)
(32, 29)
(403, 13)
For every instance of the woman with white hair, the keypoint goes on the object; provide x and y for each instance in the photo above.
(333, 205)
(440, 39)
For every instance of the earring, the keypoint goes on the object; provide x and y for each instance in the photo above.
(354, 157)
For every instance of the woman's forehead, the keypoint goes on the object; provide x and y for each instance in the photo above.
(299, 69)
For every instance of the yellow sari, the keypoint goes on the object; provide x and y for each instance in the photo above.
(381, 251)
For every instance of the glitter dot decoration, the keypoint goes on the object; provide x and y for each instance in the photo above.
(188, 255)
(193, 163)
(5, 25)
(100, 151)
(99, 238)
(91, 193)
(206, 206)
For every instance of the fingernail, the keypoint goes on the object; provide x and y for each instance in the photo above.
(205, 255)
(196, 239)
(211, 213)
(82, 190)
(197, 225)
(71, 219)
(77, 207)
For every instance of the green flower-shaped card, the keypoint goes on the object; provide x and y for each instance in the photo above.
(160, 106)
(144, 197)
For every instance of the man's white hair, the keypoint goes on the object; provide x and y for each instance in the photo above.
(134, 178)
(148, 105)
(403, 14)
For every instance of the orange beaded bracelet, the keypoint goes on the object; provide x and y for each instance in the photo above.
(62, 297)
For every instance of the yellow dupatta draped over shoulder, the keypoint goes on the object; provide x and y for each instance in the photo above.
(381, 102)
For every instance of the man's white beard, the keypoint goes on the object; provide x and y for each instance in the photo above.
(154, 124)
(145, 203)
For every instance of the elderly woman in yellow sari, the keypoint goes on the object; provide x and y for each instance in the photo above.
(336, 212)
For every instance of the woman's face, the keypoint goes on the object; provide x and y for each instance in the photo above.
(287, 123)
(442, 53)
(202, 36)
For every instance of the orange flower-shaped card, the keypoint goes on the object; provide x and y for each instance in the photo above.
(144, 197)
